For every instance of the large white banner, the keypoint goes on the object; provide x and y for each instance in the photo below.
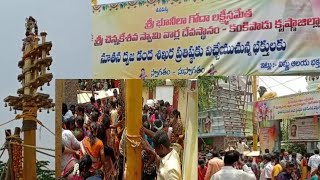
(171, 39)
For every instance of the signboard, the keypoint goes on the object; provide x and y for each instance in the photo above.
(304, 129)
(185, 39)
(267, 137)
(292, 106)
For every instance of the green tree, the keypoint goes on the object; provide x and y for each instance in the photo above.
(43, 173)
(205, 86)
(2, 170)
(151, 84)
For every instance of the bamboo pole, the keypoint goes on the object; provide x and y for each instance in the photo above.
(59, 100)
(133, 125)
(254, 122)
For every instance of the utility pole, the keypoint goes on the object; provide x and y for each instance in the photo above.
(34, 64)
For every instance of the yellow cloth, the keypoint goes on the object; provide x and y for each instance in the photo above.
(276, 171)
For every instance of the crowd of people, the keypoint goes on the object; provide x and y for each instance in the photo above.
(97, 84)
(94, 137)
(285, 165)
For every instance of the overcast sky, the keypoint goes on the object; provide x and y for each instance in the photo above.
(284, 85)
(68, 24)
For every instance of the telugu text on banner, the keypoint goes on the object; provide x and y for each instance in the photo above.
(186, 39)
(291, 106)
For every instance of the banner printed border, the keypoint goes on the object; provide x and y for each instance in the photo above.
(138, 3)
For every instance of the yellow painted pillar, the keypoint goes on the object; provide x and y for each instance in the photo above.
(133, 126)
(254, 122)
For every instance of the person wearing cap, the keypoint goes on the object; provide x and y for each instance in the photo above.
(214, 165)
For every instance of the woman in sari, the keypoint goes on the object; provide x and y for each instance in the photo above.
(177, 134)
(70, 147)
(81, 170)
(94, 147)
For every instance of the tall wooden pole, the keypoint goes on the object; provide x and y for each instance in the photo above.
(133, 126)
(35, 62)
(254, 122)
(29, 125)
(60, 87)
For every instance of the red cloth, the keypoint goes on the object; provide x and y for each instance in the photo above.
(153, 118)
(201, 172)
(116, 83)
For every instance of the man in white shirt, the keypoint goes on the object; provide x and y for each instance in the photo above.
(314, 160)
(66, 113)
(114, 114)
(228, 172)
(166, 158)
(266, 173)
(241, 146)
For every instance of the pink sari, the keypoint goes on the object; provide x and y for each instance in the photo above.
(69, 167)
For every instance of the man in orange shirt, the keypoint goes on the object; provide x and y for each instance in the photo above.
(214, 165)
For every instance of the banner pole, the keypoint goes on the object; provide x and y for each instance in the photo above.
(254, 122)
(133, 125)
